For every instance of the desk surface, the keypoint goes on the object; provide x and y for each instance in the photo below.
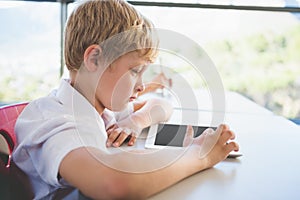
(202, 101)
(268, 169)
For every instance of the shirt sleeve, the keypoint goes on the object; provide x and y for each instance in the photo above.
(108, 118)
(69, 136)
(124, 113)
(52, 139)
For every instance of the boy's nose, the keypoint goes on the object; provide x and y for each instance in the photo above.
(139, 85)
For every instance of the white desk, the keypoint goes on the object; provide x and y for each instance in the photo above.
(201, 100)
(269, 168)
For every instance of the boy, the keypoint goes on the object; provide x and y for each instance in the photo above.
(62, 137)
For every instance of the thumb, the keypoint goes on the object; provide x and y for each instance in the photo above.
(189, 136)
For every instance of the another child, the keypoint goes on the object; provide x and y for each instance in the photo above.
(160, 81)
(62, 141)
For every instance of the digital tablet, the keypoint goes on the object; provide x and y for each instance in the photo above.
(172, 136)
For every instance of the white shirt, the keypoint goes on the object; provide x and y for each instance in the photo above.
(48, 129)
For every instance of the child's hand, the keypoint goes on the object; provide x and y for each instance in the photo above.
(211, 147)
(161, 81)
(117, 136)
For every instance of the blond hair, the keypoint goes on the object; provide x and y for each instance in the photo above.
(114, 25)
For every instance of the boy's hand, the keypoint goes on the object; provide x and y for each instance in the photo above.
(211, 146)
(117, 136)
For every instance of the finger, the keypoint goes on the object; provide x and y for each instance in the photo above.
(188, 138)
(113, 136)
(132, 140)
(111, 129)
(221, 128)
(225, 127)
(232, 146)
(226, 135)
(208, 131)
(122, 137)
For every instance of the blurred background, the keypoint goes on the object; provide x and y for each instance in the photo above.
(254, 45)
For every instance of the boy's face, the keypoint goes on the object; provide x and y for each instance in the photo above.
(121, 82)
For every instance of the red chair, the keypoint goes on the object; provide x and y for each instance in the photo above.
(14, 183)
(8, 117)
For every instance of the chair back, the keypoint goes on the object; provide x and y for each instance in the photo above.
(8, 117)
(14, 183)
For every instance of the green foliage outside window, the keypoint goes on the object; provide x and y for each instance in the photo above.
(264, 67)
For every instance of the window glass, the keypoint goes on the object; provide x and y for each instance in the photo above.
(255, 52)
(29, 49)
(258, 60)
(273, 3)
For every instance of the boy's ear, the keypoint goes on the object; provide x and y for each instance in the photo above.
(91, 57)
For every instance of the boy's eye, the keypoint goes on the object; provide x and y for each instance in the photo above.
(135, 72)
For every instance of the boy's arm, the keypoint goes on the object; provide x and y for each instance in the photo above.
(150, 112)
(103, 176)
(145, 114)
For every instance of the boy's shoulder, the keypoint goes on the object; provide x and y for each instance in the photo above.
(44, 105)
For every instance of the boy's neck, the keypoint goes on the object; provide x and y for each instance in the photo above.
(76, 83)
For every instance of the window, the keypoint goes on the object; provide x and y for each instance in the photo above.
(29, 49)
(266, 3)
(255, 52)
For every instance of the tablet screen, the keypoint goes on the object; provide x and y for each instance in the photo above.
(173, 135)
